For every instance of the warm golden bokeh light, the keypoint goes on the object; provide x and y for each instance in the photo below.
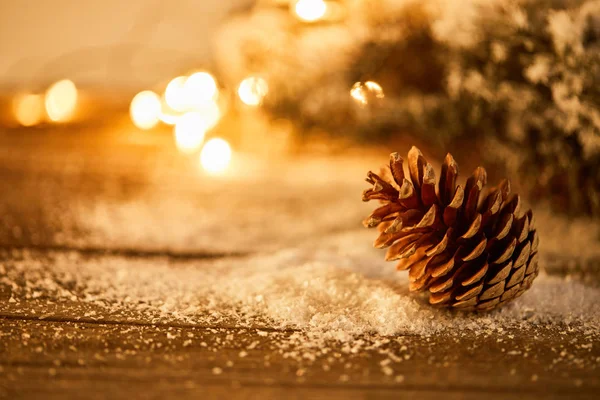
(367, 92)
(28, 109)
(61, 100)
(145, 109)
(210, 113)
(195, 92)
(189, 132)
(252, 90)
(310, 10)
(200, 88)
(175, 94)
(167, 114)
(215, 156)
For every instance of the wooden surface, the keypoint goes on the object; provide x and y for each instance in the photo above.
(98, 198)
(67, 358)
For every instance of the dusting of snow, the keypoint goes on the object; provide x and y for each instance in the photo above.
(338, 289)
(539, 69)
(564, 31)
(319, 282)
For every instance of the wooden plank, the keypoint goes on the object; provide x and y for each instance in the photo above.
(85, 202)
(121, 350)
(90, 190)
(67, 359)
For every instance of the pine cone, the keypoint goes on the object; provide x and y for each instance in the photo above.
(469, 254)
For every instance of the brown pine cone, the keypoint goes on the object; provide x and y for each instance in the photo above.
(469, 254)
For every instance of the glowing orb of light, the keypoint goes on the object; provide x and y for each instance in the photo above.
(145, 109)
(200, 88)
(252, 90)
(215, 156)
(175, 94)
(190, 129)
(210, 112)
(61, 100)
(310, 10)
(28, 109)
(167, 114)
(367, 92)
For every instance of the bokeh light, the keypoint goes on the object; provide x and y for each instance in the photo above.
(367, 92)
(28, 109)
(145, 109)
(215, 156)
(252, 90)
(210, 113)
(175, 94)
(189, 132)
(310, 10)
(200, 88)
(167, 114)
(61, 100)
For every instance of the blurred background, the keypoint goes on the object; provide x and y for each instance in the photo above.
(141, 114)
(196, 167)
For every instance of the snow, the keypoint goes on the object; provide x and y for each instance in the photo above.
(304, 264)
(338, 288)
(306, 272)
(564, 31)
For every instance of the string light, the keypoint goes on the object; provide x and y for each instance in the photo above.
(167, 114)
(200, 88)
(252, 90)
(215, 156)
(145, 109)
(189, 132)
(175, 94)
(367, 92)
(28, 109)
(61, 100)
(210, 113)
(310, 10)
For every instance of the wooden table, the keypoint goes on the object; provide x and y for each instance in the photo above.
(76, 203)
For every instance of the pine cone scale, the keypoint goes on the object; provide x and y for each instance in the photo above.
(477, 251)
(500, 272)
(477, 276)
(504, 226)
(396, 168)
(439, 247)
(507, 252)
(469, 249)
(493, 291)
(516, 277)
(443, 268)
(470, 293)
(474, 228)
(447, 184)
(532, 266)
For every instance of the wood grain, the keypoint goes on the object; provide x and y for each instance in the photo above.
(86, 194)
(69, 358)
